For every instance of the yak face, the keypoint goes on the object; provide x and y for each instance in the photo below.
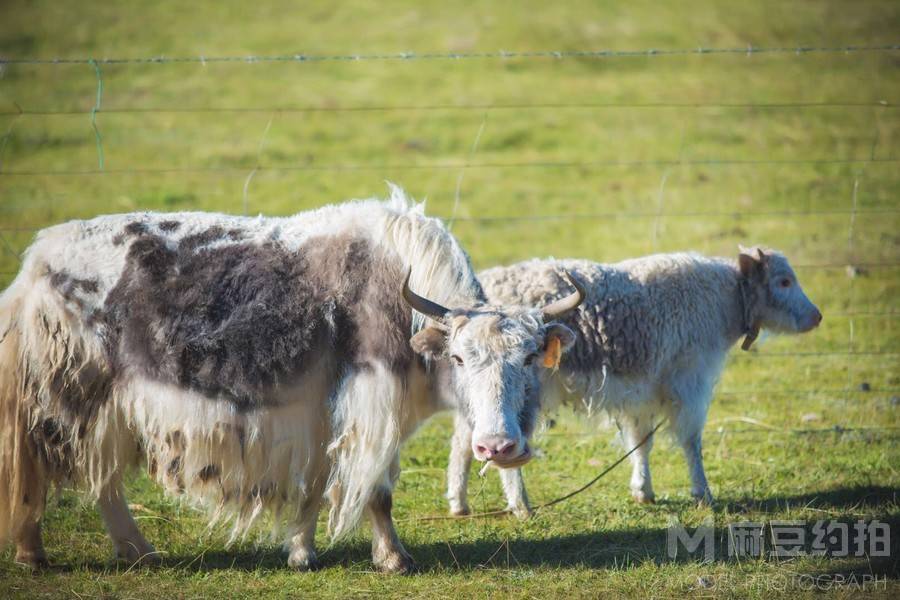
(780, 305)
(495, 359)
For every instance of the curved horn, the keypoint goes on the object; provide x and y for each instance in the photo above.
(423, 305)
(563, 306)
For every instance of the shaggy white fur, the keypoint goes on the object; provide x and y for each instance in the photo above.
(237, 462)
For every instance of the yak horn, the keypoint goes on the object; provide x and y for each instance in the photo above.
(423, 305)
(563, 306)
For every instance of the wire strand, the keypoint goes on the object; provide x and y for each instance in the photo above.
(454, 107)
(456, 165)
(501, 54)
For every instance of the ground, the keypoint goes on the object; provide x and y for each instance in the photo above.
(603, 158)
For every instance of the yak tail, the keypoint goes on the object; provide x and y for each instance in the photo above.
(23, 471)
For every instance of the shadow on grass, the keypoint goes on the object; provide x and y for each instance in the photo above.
(850, 499)
(592, 550)
(595, 549)
(598, 549)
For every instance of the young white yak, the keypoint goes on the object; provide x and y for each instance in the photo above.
(651, 340)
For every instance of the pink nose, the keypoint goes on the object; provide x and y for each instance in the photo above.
(495, 447)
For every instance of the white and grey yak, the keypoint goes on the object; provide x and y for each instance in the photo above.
(253, 364)
(651, 341)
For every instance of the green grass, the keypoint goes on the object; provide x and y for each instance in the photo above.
(630, 171)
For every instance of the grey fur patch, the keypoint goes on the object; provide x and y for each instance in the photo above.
(133, 229)
(236, 320)
(70, 288)
(76, 389)
(169, 225)
(174, 467)
(204, 238)
(136, 228)
(54, 447)
(208, 472)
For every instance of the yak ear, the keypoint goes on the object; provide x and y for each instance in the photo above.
(751, 261)
(429, 342)
(557, 339)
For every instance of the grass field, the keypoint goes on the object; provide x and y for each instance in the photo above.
(603, 158)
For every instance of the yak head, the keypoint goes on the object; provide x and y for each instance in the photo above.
(494, 359)
(772, 296)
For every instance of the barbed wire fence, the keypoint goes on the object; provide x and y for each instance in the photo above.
(749, 50)
(248, 172)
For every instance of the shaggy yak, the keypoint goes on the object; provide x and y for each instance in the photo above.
(254, 364)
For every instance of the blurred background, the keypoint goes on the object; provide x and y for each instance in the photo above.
(700, 127)
(603, 157)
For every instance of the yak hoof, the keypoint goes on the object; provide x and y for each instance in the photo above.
(36, 561)
(396, 563)
(138, 553)
(304, 560)
(643, 497)
(459, 511)
(523, 513)
(704, 499)
(309, 562)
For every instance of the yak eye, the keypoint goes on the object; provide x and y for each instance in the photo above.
(530, 358)
(785, 282)
(457, 360)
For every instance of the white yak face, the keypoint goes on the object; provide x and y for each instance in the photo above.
(780, 303)
(495, 360)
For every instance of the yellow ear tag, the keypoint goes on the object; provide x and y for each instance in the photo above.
(553, 353)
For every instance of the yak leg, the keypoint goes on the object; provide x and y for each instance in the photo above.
(458, 476)
(303, 544)
(516, 496)
(27, 536)
(30, 546)
(459, 466)
(693, 453)
(24, 477)
(388, 553)
(127, 539)
(692, 393)
(635, 429)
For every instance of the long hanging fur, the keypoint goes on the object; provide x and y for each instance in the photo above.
(237, 463)
(371, 406)
(23, 476)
